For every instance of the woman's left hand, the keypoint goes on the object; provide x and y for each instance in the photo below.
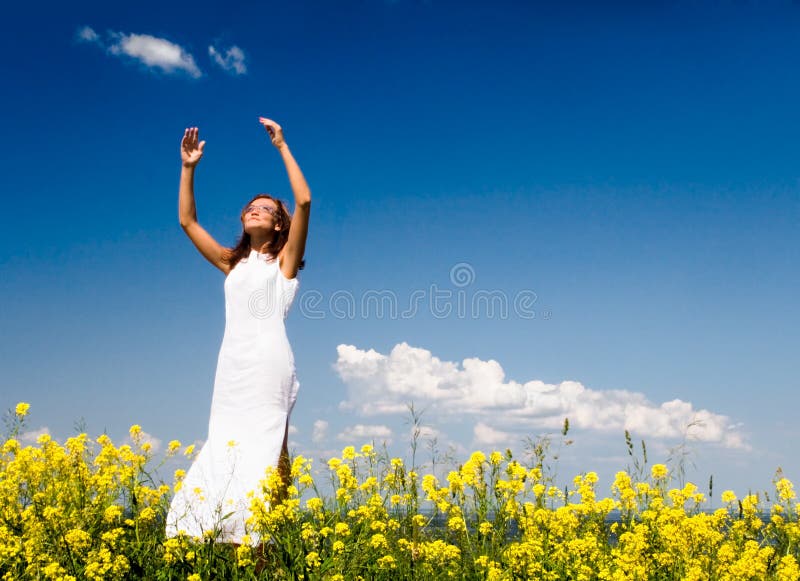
(274, 130)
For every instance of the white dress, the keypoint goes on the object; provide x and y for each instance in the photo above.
(255, 389)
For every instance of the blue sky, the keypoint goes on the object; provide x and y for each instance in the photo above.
(632, 167)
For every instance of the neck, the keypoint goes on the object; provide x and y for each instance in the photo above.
(260, 242)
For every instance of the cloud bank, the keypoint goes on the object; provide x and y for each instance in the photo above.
(384, 384)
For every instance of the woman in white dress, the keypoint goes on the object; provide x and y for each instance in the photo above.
(256, 386)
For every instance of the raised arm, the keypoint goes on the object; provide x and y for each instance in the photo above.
(295, 247)
(191, 152)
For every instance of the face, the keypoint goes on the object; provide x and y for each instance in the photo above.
(256, 217)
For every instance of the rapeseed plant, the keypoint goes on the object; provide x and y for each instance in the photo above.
(89, 509)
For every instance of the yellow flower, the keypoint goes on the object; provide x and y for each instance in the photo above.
(349, 453)
(477, 457)
(659, 471)
(342, 529)
(429, 484)
(370, 484)
(244, 553)
(378, 541)
(312, 560)
(785, 490)
(456, 482)
(135, 431)
(22, 409)
(78, 540)
(112, 513)
(788, 569)
(308, 533)
(10, 446)
(189, 450)
(147, 514)
(456, 523)
(660, 531)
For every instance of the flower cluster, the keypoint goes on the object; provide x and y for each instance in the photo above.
(88, 509)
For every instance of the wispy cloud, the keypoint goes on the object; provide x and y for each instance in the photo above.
(320, 431)
(87, 34)
(232, 61)
(425, 432)
(384, 384)
(31, 436)
(366, 432)
(151, 51)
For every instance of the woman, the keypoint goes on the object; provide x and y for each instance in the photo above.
(256, 386)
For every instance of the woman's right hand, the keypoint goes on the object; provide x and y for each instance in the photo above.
(191, 150)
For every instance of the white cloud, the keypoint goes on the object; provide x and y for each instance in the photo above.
(154, 52)
(87, 34)
(425, 432)
(232, 61)
(366, 432)
(320, 431)
(488, 436)
(31, 436)
(384, 384)
(292, 429)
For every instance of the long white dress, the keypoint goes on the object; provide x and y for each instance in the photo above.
(255, 389)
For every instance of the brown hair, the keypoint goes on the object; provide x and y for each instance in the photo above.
(242, 248)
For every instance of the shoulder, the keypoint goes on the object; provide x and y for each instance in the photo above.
(285, 270)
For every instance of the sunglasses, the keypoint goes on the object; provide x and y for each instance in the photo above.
(259, 209)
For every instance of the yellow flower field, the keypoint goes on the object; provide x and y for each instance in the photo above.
(88, 509)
